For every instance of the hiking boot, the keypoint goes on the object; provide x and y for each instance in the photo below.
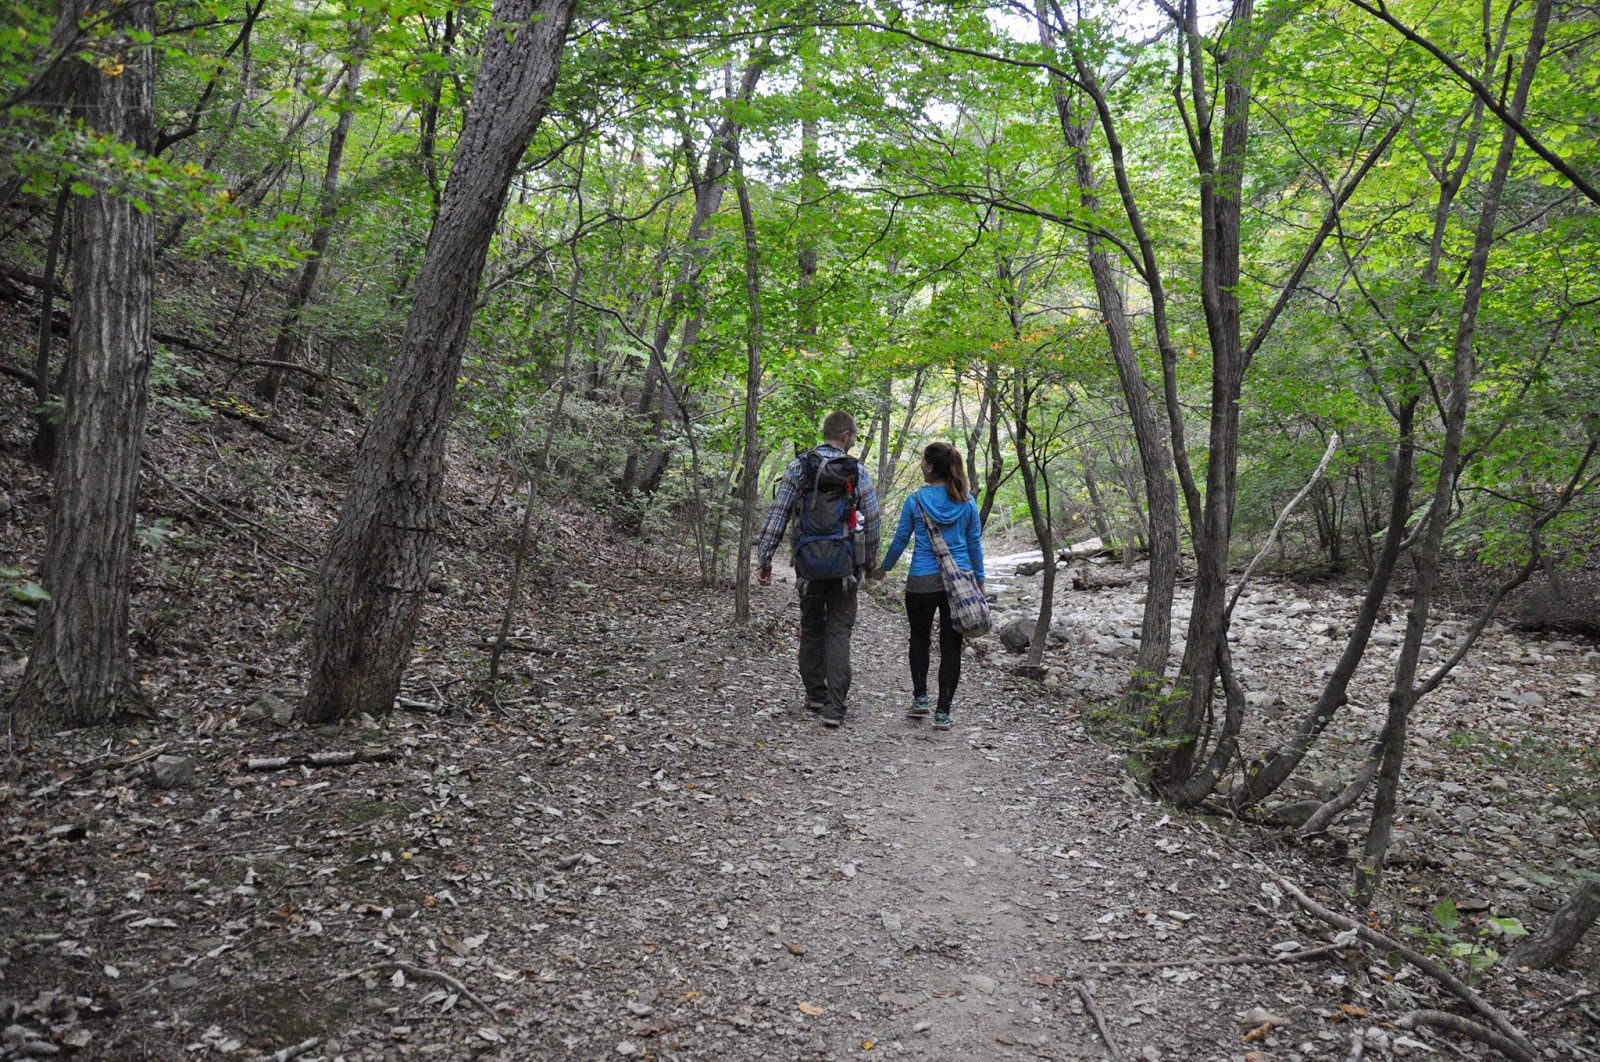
(941, 718)
(920, 708)
(832, 716)
(813, 706)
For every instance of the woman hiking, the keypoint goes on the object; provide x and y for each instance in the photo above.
(947, 503)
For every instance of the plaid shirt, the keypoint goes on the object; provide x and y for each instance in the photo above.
(783, 507)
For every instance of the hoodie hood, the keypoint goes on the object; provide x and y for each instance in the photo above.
(936, 501)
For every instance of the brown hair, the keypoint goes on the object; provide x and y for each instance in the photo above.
(834, 425)
(945, 462)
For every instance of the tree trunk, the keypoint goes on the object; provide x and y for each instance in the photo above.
(811, 193)
(1155, 451)
(708, 188)
(994, 470)
(889, 460)
(752, 397)
(1043, 531)
(78, 671)
(287, 347)
(1562, 931)
(46, 421)
(1264, 776)
(1221, 170)
(514, 591)
(428, 136)
(1404, 693)
(885, 416)
(535, 475)
(1097, 509)
(376, 568)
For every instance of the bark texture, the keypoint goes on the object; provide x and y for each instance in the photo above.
(375, 571)
(1561, 933)
(752, 399)
(79, 672)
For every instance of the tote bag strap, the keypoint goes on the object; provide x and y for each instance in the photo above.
(941, 549)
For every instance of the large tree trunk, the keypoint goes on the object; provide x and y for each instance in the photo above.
(287, 346)
(78, 670)
(1221, 169)
(375, 572)
(752, 399)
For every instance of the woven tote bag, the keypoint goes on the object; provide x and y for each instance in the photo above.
(969, 609)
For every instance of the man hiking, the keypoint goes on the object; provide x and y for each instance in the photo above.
(830, 498)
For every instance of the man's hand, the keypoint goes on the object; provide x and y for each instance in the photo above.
(877, 575)
(764, 576)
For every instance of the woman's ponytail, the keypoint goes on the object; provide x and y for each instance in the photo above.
(944, 461)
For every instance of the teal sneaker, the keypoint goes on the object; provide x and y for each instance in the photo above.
(920, 708)
(941, 718)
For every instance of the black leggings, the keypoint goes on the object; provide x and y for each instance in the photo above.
(919, 610)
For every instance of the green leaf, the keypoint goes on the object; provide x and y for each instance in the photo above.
(28, 592)
(1447, 916)
(1505, 927)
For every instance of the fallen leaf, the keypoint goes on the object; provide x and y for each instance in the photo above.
(1258, 1032)
(812, 1009)
(1350, 1010)
(795, 949)
(1048, 980)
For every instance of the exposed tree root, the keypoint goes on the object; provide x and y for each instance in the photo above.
(1514, 1036)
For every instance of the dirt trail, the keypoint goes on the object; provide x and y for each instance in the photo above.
(930, 892)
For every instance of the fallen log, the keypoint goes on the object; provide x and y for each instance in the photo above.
(1085, 578)
(321, 759)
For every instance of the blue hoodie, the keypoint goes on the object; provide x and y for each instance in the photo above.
(958, 522)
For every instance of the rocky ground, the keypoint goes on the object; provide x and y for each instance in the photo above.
(1500, 788)
(649, 850)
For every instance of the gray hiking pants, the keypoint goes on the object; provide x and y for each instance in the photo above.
(827, 619)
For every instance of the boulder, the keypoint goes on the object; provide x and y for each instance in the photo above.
(172, 772)
(269, 707)
(1017, 634)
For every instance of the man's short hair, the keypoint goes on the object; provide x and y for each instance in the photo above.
(836, 424)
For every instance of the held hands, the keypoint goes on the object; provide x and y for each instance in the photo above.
(877, 575)
(764, 576)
